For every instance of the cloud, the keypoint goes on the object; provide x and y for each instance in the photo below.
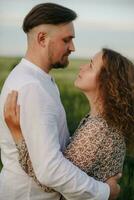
(98, 23)
(106, 25)
(12, 20)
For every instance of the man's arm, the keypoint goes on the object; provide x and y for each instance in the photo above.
(40, 130)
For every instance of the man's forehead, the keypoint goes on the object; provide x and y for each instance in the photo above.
(66, 27)
(67, 30)
(63, 30)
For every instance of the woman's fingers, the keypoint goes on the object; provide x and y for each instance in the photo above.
(10, 108)
(18, 113)
(7, 107)
(14, 97)
(12, 115)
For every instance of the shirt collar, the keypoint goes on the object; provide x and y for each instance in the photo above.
(26, 62)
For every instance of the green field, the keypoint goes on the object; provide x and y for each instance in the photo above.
(76, 107)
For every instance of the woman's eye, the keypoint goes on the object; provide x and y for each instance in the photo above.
(90, 65)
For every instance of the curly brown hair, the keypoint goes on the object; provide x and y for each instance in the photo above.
(116, 84)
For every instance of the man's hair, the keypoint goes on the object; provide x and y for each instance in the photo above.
(47, 13)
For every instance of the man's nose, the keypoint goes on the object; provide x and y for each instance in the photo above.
(72, 47)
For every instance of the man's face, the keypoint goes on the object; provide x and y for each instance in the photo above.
(61, 45)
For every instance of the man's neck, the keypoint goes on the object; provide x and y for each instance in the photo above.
(35, 59)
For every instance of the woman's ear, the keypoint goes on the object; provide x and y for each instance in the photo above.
(41, 38)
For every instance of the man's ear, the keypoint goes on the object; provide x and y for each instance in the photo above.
(41, 38)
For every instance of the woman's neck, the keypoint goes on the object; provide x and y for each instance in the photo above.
(96, 107)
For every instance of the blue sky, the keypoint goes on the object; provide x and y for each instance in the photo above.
(100, 23)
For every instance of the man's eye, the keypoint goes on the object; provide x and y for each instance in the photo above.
(66, 40)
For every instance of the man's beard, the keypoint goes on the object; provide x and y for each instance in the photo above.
(58, 64)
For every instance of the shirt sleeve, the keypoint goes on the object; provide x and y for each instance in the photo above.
(40, 130)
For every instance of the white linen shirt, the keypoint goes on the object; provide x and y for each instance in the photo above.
(44, 127)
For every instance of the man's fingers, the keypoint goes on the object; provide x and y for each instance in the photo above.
(118, 176)
(115, 178)
(119, 188)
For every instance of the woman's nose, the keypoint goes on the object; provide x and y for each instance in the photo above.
(82, 67)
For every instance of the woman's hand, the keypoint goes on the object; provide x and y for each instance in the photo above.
(12, 116)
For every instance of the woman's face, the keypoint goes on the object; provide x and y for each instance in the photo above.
(87, 77)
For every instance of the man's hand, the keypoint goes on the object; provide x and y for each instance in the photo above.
(114, 186)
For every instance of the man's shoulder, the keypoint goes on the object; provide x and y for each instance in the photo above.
(18, 78)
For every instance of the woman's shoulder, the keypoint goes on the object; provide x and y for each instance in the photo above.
(94, 123)
(95, 120)
(93, 128)
(97, 126)
(112, 136)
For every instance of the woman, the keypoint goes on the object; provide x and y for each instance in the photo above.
(98, 145)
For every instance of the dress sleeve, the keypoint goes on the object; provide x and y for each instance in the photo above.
(84, 146)
(26, 164)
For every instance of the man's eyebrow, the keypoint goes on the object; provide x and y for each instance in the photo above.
(70, 37)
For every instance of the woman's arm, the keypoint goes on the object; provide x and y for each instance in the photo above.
(12, 118)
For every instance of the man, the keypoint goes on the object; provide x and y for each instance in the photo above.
(50, 31)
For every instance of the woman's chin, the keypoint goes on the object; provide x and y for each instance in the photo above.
(76, 84)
